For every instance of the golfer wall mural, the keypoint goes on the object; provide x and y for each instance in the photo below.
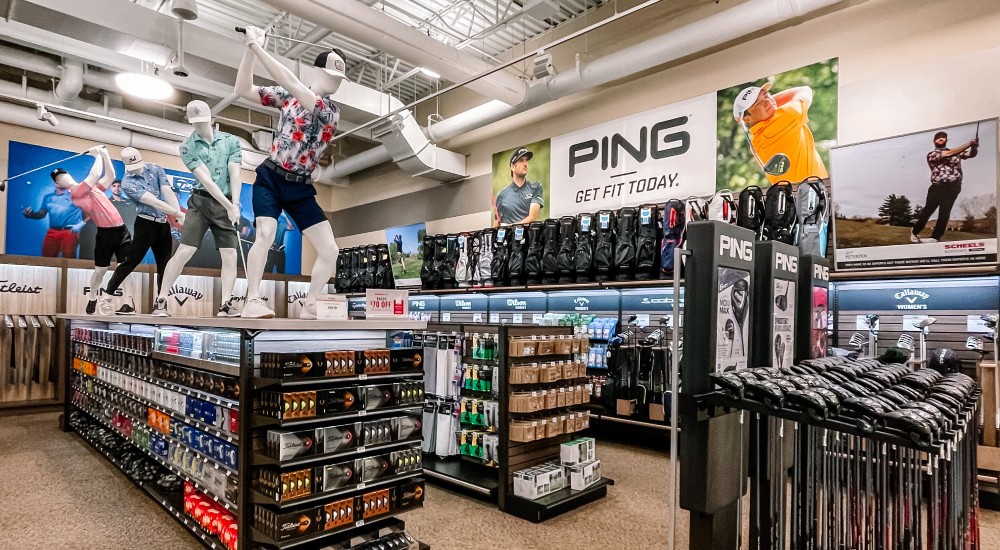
(918, 200)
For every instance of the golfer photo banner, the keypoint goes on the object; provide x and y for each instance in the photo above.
(644, 158)
(926, 199)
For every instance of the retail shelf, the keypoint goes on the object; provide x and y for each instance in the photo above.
(379, 523)
(204, 396)
(175, 415)
(258, 498)
(217, 367)
(547, 385)
(533, 287)
(261, 421)
(454, 471)
(115, 348)
(600, 413)
(206, 539)
(264, 460)
(541, 509)
(261, 383)
(260, 324)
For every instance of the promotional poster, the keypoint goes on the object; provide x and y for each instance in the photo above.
(521, 182)
(36, 190)
(919, 200)
(406, 253)
(795, 116)
(732, 318)
(820, 322)
(783, 315)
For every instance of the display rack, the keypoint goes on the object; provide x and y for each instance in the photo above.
(128, 395)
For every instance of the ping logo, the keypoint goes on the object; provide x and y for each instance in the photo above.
(102, 292)
(821, 272)
(785, 262)
(735, 248)
(182, 294)
(657, 142)
(418, 304)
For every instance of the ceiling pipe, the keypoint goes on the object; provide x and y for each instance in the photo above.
(70, 81)
(364, 24)
(315, 36)
(746, 18)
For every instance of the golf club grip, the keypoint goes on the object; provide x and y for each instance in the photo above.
(241, 30)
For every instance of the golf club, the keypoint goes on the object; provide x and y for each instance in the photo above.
(925, 328)
(741, 307)
(776, 165)
(991, 323)
(872, 320)
(782, 301)
(3, 183)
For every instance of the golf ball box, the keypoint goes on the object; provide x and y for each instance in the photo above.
(284, 445)
(335, 363)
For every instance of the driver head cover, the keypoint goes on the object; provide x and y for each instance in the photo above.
(198, 111)
(747, 97)
(132, 159)
(333, 62)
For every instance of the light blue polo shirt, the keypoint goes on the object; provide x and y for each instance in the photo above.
(215, 156)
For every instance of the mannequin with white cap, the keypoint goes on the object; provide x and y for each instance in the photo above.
(214, 158)
(146, 184)
(306, 125)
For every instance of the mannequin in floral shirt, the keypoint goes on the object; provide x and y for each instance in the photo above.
(284, 180)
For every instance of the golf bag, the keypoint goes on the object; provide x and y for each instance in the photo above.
(696, 209)
(722, 207)
(750, 214)
(625, 244)
(566, 255)
(463, 276)
(473, 244)
(516, 256)
(674, 228)
(604, 246)
(371, 261)
(427, 277)
(383, 268)
(342, 273)
(550, 251)
(780, 221)
(446, 264)
(357, 269)
(814, 216)
(484, 262)
(647, 242)
(439, 258)
(533, 256)
(583, 256)
(500, 271)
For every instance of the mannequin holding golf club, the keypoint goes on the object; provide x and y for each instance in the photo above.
(306, 125)
(777, 131)
(214, 158)
(113, 238)
(146, 185)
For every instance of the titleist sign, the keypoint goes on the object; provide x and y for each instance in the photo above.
(12, 287)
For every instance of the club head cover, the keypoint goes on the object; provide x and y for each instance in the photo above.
(765, 392)
(831, 398)
(808, 402)
(918, 429)
(729, 382)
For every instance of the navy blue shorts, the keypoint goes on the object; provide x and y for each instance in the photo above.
(272, 194)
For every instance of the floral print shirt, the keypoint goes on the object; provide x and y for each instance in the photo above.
(948, 169)
(302, 134)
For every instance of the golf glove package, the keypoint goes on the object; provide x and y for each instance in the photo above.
(515, 259)
(751, 211)
(814, 216)
(625, 244)
(647, 246)
(584, 255)
(533, 254)
(780, 221)
(604, 245)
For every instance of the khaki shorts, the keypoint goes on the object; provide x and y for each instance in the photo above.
(206, 213)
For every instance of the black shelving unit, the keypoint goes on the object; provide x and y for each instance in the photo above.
(250, 433)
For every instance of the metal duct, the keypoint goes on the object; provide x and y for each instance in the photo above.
(70, 81)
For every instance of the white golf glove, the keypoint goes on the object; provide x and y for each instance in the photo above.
(255, 35)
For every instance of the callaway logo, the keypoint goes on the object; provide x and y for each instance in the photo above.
(297, 297)
(581, 301)
(187, 293)
(14, 288)
(911, 296)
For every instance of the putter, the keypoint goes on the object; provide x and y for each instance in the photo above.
(3, 183)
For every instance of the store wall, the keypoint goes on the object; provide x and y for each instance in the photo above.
(905, 65)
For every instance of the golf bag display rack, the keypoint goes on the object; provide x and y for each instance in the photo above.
(364, 267)
(263, 429)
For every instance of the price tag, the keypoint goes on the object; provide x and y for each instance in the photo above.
(446, 316)
(362, 413)
(477, 317)
(362, 377)
(494, 317)
(518, 318)
(642, 319)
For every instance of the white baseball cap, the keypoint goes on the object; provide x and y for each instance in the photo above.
(747, 97)
(132, 159)
(333, 62)
(198, 111)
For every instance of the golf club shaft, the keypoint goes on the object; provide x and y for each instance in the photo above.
(45, 166)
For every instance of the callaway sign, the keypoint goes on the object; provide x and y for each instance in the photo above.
(647, 157)
(910, 298)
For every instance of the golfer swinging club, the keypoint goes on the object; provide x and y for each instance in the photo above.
(398, 241)
(778, 125)
(946, 184)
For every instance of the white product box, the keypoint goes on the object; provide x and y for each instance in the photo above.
(578, 451)
(332, 307)
(583, 475)
(539, 481)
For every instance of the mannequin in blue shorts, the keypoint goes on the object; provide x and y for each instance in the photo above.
(306, 125)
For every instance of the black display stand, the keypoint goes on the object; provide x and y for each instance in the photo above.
(254, 335)
(814, 278)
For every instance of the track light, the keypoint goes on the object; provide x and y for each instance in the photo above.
(47, 116)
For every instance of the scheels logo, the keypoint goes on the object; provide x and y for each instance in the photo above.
(10, 287)
(186, 292)
(972, 247)
(911, 296)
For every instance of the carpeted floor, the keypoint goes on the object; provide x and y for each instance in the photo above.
(55, 493)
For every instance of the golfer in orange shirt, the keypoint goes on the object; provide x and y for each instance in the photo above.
(778, 124)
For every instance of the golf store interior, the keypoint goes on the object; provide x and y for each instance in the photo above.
(499, 274)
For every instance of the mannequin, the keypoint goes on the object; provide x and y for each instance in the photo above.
(147, 186)
(113, 238)
(284, 180)
(214, 158)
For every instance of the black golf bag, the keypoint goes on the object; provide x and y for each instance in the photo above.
(474, 244)
(625, 244)
(342, 273)
(357, 269)
(427, 277)
(383, 268)
(566, 254)
(550, 251)
(500, 272)
(518, 248)
(485, 261)
(673, 235)
(604, 245)
(647, 242)
(533, 256)
(439, 259)
(371, 261)
(751, 211)
(583, 257)
(781, 223)
(463, 276)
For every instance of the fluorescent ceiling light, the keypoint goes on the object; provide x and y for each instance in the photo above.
(143, 85)
(429, 73)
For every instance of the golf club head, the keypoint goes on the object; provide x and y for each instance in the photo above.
(973, 343)
(871, 319)
(857, 340)
(777, 165)
(990, 320)
(926, 322)
(3, 186)
(905, 342)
